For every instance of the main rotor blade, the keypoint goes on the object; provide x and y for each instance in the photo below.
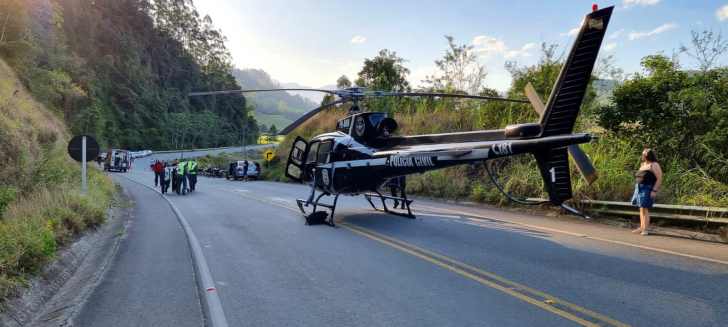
(308, 115)
(450, 95)
(192, 94)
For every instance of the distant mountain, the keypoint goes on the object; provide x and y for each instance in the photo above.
(279, 108)
(313, 96)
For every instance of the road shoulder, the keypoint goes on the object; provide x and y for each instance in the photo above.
(65, 282)
(150, 279)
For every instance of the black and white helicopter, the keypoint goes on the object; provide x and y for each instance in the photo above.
(362, 155)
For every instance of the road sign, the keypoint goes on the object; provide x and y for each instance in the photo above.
(269, 155)
(75, 148)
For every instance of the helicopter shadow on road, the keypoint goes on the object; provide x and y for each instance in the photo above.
(384, 221)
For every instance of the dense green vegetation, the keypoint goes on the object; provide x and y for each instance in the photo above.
(119, 70)
(681, 114)
(40, 202)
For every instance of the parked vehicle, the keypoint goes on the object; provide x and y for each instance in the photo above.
(235, 170)
(117, 159)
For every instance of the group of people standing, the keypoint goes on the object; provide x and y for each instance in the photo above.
(177, 174)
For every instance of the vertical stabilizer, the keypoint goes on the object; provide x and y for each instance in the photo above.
(562, 107)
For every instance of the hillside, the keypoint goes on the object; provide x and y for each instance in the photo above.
(279, 108)
(41, 207)
(126, 86)
(313, 96)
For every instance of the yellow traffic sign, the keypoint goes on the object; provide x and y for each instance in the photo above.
(269, 155)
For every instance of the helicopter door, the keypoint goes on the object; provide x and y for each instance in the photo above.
(294, 167)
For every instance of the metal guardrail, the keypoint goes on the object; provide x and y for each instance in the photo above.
(208, 149)
(196, 150)
(664, 211)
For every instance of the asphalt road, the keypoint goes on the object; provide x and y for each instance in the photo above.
(453, 266)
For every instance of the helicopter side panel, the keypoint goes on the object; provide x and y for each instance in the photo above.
(368, 173)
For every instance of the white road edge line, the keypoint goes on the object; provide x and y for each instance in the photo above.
(579, 235)
(217, 316)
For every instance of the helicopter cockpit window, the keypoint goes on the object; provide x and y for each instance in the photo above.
(312, 152)
(324, 152)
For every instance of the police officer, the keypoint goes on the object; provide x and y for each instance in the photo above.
(192, 168)
(182, 177)
(175, 169)
(167, 176)
(401, 181)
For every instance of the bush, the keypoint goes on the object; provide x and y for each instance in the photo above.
(7, 195)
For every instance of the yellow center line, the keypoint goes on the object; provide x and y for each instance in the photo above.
(390, 241)
(478, 279)
(496, 277)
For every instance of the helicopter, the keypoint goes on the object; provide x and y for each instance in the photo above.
(362, 155)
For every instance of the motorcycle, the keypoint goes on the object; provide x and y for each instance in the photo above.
(213, 172)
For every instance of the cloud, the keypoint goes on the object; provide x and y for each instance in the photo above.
(663, 28)
(486, 46)
(511, 54)
(616, 34)
(522, 52)
(632, 3)
(358, 39)
(570, 32)
(722, 13)
(609, 47)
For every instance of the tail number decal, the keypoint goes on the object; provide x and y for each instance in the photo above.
(399, 161)
(553, 174)
(502, 149)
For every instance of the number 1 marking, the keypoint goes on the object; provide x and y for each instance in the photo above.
(553, 175)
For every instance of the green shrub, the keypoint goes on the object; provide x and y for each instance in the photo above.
(7, 195)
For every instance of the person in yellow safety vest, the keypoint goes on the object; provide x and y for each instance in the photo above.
(182, 177)
(192, 168)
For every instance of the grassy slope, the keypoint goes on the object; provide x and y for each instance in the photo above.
(270, 120)
(615, 161)
(40, 202)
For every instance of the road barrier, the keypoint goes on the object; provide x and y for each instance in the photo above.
(715, 215)
(273, 145)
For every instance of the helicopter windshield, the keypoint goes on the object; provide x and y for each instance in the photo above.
(323, 153)
(375, 118)
(312, 152)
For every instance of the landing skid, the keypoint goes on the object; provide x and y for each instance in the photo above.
(574, 211)
(404, 199)
(332, 207)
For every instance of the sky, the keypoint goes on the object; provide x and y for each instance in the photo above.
(314, 42)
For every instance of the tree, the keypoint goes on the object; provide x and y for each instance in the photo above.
(263, 128)
(343, 82)
(272, 133)
(460, 70)
(707, 49)
(126, 85)
(384, 72)
(542, 75)
(676, 112)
